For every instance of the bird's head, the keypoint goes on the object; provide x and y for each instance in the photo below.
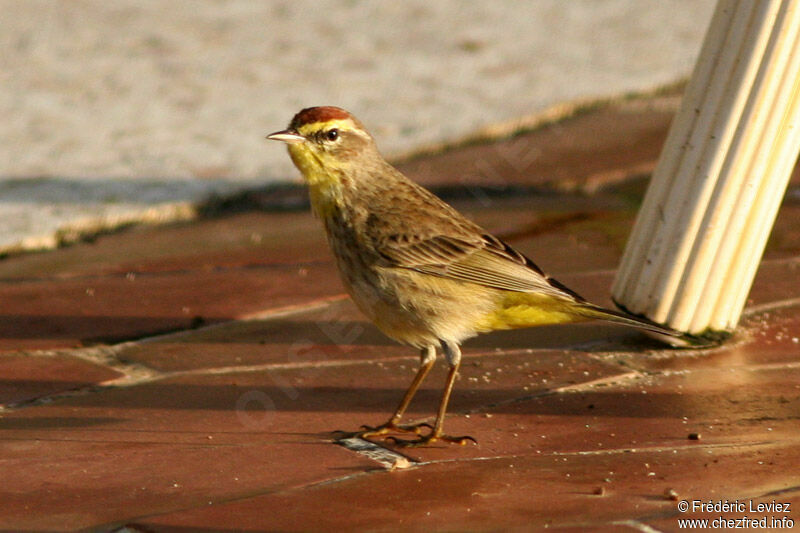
(326, 141)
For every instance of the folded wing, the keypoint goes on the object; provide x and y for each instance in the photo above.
(475, 258)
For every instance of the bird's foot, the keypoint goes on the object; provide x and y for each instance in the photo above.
(383, 429)
(432, 437)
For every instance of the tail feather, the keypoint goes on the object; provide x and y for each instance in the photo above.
(678, 339)
(620, 317)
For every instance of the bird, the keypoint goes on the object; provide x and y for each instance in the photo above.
(424, 274)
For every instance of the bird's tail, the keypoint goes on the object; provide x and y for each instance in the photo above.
(525, 309)
(620, 317)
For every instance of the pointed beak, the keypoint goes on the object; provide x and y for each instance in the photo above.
(287, 136)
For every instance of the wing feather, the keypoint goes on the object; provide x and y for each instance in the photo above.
(484, 260)
(433, 238)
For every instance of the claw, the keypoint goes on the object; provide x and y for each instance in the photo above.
(463, 440)
(429, 439)
(390, 427)
(378, 431)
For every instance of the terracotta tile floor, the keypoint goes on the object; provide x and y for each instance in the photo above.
(188, 377)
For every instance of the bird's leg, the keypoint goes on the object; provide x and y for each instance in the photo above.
(453, 354)
(427, 359)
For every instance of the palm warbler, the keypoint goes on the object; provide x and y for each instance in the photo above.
(424, 274)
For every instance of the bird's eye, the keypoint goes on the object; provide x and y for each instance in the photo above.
(332, 135)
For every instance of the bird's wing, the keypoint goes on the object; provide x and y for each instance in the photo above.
(433, 238)
(476, 258)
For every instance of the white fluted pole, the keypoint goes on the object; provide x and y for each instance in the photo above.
(715, 193)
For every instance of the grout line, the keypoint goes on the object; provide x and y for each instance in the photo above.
(771, 306)
(599, 382)
(268, 314)
(612, 451)
(134, 373)
(293, 309)
(222, 370)
(565, 389)
(121, 524)
(661, 449)
(615, 451)
(160, 273)
(749, 368)
(779, 492)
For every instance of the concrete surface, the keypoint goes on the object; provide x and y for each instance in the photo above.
(113, 108)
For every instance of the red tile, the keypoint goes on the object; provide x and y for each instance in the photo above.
(225, 436)
(579, 427)
(65, 313)
(76, 484)
(331, 331)
(236, 240)
(587, 150)
(507, 493)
